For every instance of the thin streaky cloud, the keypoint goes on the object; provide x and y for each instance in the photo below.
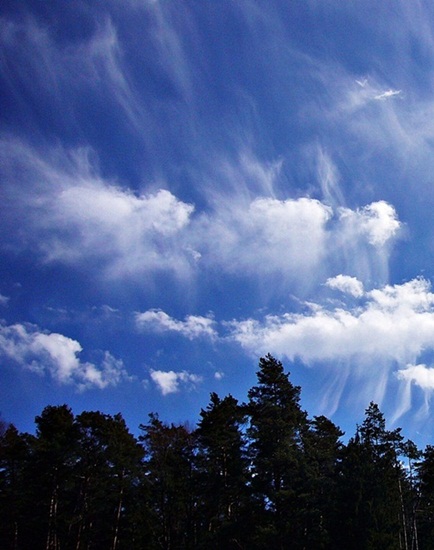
(388, 94)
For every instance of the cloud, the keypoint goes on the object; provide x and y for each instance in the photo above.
(169, 381)
(194, 326)
(72, 215)
(392, 326)
(58, 76)
(346, 284)
(387, 94)
(420, 375)
(269, 235)
(3, 300)
(395, 323)
(58, 356)
(298, 238)
(377, 222)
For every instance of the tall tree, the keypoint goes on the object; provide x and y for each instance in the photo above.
(371, 500)
(54, 460)
(425, 508)
(108, 470)
(321, 458)
(169, 469)
(275, 449)
(15, 504)
(222, 473)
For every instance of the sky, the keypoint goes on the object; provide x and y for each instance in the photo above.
(188, 185)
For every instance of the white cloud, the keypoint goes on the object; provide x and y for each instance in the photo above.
(377, 222)
(170, 381)
(387, 94)
(393, 326)
(72, 215)
(421, 375)
(194, 326)
(58, 356)
(138, 233)
(266, 235)
(298, 239)
(396, 324)
(3, 300)
(346, 284)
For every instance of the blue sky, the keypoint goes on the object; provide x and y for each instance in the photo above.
(187, 185)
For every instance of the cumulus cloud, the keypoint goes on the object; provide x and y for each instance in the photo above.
(346, 284)
(194, 326)
(137, 232)
(298, 238)
(393, 326)
(73, 215)
(58, 356)
(170, 381)
(377, 222)
(395, 323)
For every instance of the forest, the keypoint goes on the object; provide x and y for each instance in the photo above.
(253, 475)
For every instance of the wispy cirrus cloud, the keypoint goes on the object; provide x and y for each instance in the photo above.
(56, 355)
(71, 214)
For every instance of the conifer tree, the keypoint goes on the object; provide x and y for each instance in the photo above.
(222, 473)
(169, 469)
(107, 472)
(15, 501)
(425, 508)
(371, 506)
(321, 458)
(276, 423)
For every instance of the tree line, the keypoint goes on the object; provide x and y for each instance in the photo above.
(253, 475)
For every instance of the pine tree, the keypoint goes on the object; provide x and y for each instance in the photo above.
(55, 455)
(222, 473)
(371, 504)
(322, 451)
(15, 504)
(275, 450)
(425, 508)
(169, 469)
(107, 471)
